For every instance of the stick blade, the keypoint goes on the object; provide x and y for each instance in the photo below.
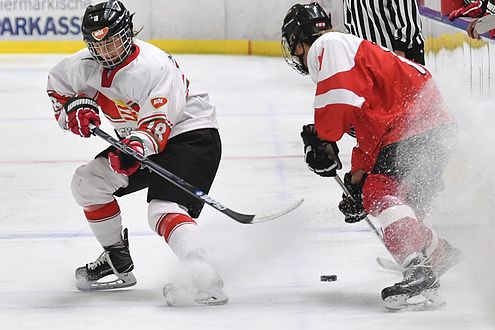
(485, 24)
(277, 214)
(239, 217)
(255, 218)
(389, 265)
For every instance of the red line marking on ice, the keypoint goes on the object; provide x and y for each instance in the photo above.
(82, 161)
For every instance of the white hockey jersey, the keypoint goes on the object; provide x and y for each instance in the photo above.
(147, 96)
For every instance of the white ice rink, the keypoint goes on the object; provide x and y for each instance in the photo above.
(271, 270)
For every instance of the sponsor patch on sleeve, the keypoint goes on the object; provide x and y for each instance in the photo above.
(158, 102)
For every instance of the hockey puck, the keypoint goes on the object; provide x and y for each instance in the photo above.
(328, 278)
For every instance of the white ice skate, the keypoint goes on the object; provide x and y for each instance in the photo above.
(200, 285)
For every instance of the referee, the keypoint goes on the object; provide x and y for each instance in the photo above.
(395, 24)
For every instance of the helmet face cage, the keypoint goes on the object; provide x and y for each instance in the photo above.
(303, 23)
(293, 60)
(107, 32)
(113, 50)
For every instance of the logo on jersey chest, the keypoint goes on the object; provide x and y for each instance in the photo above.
(158, 102)
(127, 110)
(100, 34)
(118, 111)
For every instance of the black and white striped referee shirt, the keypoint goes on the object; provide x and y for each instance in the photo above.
(395, 24)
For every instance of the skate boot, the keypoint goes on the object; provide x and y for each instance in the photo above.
(418, 290)
(115, 262)
(188, 294)
(199, 285)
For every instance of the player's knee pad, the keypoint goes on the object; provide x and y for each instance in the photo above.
(95, 183)
(164, 217)
(379, 193)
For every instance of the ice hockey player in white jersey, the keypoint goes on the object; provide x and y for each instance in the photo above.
(404, 135)
(143, 93)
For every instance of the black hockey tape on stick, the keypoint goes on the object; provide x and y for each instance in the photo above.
(328, 278)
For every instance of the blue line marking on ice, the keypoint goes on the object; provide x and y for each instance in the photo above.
(273, 120)
(57, 235)
(67, 235)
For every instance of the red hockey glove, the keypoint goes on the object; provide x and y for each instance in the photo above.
(123, 163)
(472, 10)
(322, 156)
(81, 111)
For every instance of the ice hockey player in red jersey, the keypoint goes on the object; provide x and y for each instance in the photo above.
(143, 93)
(403, 132)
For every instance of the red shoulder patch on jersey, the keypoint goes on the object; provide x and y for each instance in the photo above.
(158, 102)
(100, 33)
(320, 58)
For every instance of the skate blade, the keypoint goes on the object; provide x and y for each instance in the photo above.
(214, 300)
(183, 296)
(124, 280)
(427, 300)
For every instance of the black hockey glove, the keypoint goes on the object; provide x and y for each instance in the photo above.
(352, 206)
(322, 156)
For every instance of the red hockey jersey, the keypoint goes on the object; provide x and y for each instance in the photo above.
(384, 97)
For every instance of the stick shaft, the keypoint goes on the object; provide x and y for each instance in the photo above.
(368, 221)
(172, 178)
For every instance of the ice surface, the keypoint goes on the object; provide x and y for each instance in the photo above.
(271, 270)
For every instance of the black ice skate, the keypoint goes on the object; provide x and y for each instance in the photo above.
(115, 262)
(418, 290)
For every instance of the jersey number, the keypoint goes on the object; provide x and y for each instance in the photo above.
(158, 129)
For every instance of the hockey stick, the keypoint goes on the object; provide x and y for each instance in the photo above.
(485, 24)
(348, 194)
(385, 263)
(389, 265)
(190, 189)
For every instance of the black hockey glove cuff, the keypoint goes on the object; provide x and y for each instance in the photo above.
(321, 156)
(352, 206)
